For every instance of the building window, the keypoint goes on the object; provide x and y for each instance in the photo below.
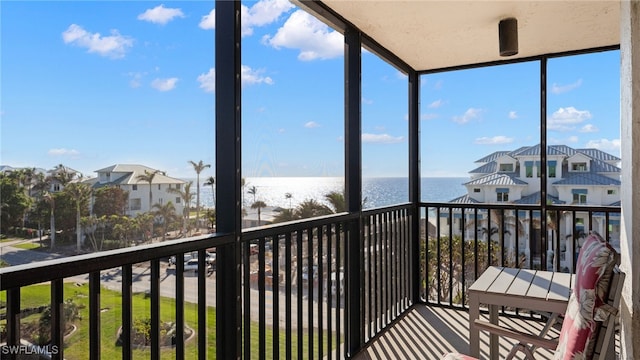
(476, 190)
(108, 176)
(502, 194)
(552, 168)
(136, 204)
(579, 166)
(159, 187)
(177, 200)
(579, 196)
(134, 187)
(528, 165)
(611, 191)
(178, 186)
(506, 168)
(56, 187)
(538, 168)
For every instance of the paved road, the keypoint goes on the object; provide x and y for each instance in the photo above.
(112, 279)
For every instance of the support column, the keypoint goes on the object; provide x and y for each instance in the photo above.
(414, 182)
(630, 154)
(228, 179)
(353, 185)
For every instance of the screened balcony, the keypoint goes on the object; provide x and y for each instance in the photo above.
(388, 282)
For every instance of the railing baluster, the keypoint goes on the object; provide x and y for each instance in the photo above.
(262, 340)
(155, 309)
(310, 290)
(320, 291)
(94, 316)
(330, 229)
(13, 318)
(299, 243)
(180, 324)
(288, 294)
(275, 290)
(127, 311)
(246, 274)
(202, 304)
(57, 318)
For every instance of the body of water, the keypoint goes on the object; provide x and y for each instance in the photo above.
(377, 191)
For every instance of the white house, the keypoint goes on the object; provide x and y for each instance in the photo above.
(580, 177)
(126, 177)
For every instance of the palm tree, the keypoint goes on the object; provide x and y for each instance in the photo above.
(211, 182)
(148, 177)
(311, 208)
(258, 205)
(336, 199)
(80, 194)
(186, 196)
(198, 167)
(49, 197)
(167, 213)
(253, 191)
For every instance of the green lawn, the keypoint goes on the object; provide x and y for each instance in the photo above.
(77, 345)
(27, 245)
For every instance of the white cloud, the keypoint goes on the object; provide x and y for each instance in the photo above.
(311, 125)
(314, 39)
(63, 152)
(113, 46)
(589, 128)
(605, 145)
(435, 104)
(566, 119)
(513, 115)
(208, 81)
(250, 76)
(559, 89)
(469, 115)
(429, 116)
(208, 22)
(381, 138)
(160, 15)
(263, 12)
(164, 84)
(496, 140)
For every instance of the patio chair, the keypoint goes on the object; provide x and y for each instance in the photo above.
(589, 321)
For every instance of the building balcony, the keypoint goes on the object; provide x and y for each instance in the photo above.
(386, 283)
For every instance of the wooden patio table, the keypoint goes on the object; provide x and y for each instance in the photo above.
(545, 291)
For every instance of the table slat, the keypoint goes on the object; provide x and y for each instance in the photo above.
(540, 284)
(560, 287)
(486, 279)
(522, 282)
(503, 281)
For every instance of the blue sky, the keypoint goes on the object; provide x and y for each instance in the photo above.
(89, 84)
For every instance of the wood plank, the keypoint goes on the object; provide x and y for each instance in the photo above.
(522, 282)
(503, 281)
(560, 287)
(540, 285)
(486, 279)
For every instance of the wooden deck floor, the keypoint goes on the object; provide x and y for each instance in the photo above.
(428, 332)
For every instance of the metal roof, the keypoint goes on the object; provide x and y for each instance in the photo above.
(492, 156)
(497, 179)
(599, 154)
(485, 169)
(464, 199)
(534, 199)
(587, 179)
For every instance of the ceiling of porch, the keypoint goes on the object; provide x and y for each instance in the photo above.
(440, 34)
